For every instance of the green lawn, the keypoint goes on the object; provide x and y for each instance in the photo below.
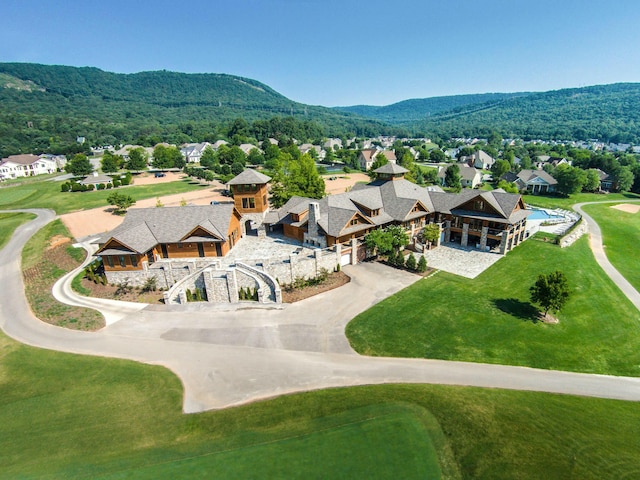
(9, 222)
(489, 319)
(549, 201)
(621, 238)
(47, 194)
(70, 416)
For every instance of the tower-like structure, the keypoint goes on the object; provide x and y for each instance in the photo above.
(250, 197)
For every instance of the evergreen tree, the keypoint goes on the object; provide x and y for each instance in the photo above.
(411, 262)
(422, 264)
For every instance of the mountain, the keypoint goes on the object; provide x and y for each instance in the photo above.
(43, 106)
(417, 109)
(604, 112)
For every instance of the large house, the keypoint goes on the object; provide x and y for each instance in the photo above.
(493, 219)
(26, 165)
(368, 156)
(193, 151)
(533, 181)
(470, 177)
(183, 247)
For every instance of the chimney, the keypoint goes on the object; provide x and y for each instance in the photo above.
(314, 215)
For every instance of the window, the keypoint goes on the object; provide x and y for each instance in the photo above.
(109, 260)
(478, 205)
(354, 221)
(248, 203)
(179, 245)
(122, 262)
(134, 260)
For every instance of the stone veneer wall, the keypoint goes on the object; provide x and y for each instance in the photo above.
(574, 235)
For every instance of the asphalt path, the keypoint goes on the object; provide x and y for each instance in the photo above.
(597, 247)
(228, 355)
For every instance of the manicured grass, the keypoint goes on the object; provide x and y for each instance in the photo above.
(550, 201)
(621, 238)
(46, 194)
(489, 319)
(44, 261)
(70, 416)
(9, 222)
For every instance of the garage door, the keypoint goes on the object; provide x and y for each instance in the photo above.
(345, 259)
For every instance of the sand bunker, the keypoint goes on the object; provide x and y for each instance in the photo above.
(627, 207)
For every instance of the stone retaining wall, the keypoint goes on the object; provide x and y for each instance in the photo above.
(574, 235)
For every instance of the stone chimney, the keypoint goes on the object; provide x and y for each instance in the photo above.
(314, 215)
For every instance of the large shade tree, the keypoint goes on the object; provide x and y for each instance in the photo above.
(551, 291)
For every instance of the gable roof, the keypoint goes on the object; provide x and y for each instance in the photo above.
(24, 159)
(143, 228)
(249, 176)
(530, 175)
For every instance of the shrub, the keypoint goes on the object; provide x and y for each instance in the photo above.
(76, 187)
(198, 295)
(123, 288)
(116, 183)
(411, 262)
(65, 187)
(422, 264)
(101, 186)
(90, 187)
(150, 285)
(189, 295)
(109, 185)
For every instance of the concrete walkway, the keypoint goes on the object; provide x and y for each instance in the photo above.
(233, 355)
(595, 242)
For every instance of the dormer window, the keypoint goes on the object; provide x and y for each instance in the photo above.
(478, 205)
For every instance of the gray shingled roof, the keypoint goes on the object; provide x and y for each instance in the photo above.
(249, 176)
(395, 201)
(143, 228)
(391, 169)
(528, 175)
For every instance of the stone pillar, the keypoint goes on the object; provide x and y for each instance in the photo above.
(316, 258)
(465, 234)
(182, 295)
(354, 251)
(232, 286)
(483, 238)
(503, 242)
(447, 232)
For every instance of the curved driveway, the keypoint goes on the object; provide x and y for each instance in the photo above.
(228, 356)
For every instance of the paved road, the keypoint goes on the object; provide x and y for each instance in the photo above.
(227, 356)
(595, 242)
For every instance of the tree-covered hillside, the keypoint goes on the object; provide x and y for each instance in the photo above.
(604, 112)
(416, 109)
(44, 107)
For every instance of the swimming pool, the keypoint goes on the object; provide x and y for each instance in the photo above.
(542, 215)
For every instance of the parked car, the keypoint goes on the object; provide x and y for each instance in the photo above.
(159, 174)
(214, 202)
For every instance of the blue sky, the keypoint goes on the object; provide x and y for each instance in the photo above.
(340, 52)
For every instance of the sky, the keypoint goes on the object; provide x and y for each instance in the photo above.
(340, 52)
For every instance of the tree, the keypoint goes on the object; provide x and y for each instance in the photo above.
(499, 168)
(378, 242)
(431, 233)
(592, 181)
(624, 179)
(452, 177)
(570, 179)
(292, 177)
(437, 156)
(79, 166)
(411, 263)
(422, 264)
(138, 159)
(121, 202)
(167, 157)
(509, 187)
(110, 163)
(550, 291)
(208, 157)
(379, 161)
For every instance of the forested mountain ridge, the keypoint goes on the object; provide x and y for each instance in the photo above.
(606, 112)
(416, 109)
(43, 107)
